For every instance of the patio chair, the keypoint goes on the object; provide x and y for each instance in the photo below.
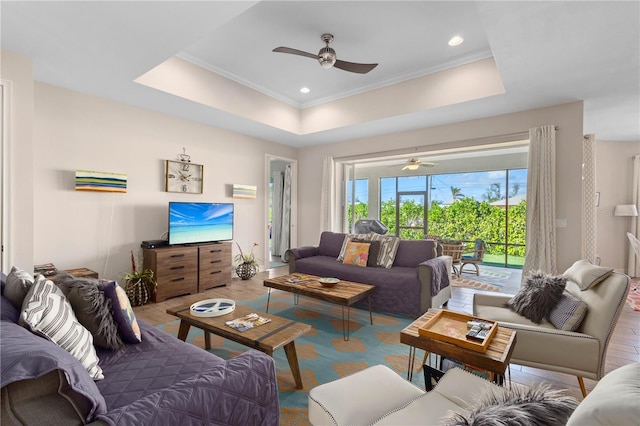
(454, 249)
(477, 256)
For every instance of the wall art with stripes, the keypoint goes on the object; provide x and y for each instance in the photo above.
(244, 191)
(100, 181)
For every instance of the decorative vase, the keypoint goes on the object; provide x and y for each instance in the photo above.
(137, 292)
(246, 270)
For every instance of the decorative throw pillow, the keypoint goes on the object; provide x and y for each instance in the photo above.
(92, 308)
(347, 240)
(122, 313)
(568, 313)
(356, 254)
(374, 250)
(586, 274)
(17, 286)
(388, 249)
(47, 312)
(519, 405)
(539, 295)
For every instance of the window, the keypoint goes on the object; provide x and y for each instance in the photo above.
(490, 205)
(454, 194)
(358, 206)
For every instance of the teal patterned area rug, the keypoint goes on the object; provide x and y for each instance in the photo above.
(323, 354)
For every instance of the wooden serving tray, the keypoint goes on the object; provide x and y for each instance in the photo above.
(451, 327)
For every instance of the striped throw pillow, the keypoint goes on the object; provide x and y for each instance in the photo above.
(388, 249)
(568, 313)
(46, 312)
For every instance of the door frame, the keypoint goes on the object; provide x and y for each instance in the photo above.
(6, 257)
(267, 199)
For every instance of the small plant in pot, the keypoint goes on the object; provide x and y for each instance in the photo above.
(246, 265)
(140, 285)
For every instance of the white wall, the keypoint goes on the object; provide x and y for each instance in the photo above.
(568, 117)
(17, 71)
(98, 230)
(614, 175)
(54, 223)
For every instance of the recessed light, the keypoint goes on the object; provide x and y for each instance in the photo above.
(305, 90)
(455, 41)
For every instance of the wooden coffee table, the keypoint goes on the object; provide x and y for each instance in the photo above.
(280, 332)
(495, 359)
(345, 293)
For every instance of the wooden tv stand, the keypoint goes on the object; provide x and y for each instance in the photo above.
(188, 269)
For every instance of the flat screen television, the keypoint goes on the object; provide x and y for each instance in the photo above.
(191, 223)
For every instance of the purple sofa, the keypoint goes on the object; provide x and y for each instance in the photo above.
(418, 280)
(161, 381)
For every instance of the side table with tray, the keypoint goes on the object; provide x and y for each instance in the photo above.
(444, 333)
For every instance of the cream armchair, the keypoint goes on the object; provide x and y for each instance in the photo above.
(580, 353)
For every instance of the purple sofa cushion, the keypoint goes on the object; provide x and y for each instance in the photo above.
(411, 253)
(27, 356)
(330, 244)
(241, 391)
(397, 289)
(9, 312)
(141, 369)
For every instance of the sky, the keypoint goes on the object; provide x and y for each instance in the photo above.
(473, 184)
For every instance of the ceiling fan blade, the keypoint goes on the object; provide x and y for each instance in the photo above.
(353, 67)
(295, 52)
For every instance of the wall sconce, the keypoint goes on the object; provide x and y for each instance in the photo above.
(626, 210)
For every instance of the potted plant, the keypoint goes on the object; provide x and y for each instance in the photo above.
(139, 284)
(246, 265)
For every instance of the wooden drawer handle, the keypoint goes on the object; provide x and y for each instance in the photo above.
(178, 279)
(178, 255)
(177, 267)
(215, 251)
(215, 272)
(216, 261)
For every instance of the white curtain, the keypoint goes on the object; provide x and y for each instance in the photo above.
(286, 212)
(276, 213)
(328, 195)
(541, 201)
(589, 198)
(633, 265)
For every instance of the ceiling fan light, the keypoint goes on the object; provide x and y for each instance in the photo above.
(411, 167)
(327, 57)
(326, 63)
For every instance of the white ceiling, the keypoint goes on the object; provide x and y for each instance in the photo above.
(547, 53)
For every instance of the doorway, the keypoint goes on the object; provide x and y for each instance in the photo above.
(281, 209)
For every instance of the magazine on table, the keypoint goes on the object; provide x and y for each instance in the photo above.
(299, 279)
(247, 322)
(45, 269)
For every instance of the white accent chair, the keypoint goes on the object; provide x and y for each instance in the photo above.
(379, 396)
(580, 353)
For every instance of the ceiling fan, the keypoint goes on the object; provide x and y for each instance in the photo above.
(328, 59)
(415, 163)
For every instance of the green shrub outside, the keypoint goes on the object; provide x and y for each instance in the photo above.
(466, 219)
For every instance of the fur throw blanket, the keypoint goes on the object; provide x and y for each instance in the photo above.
(519, 406)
